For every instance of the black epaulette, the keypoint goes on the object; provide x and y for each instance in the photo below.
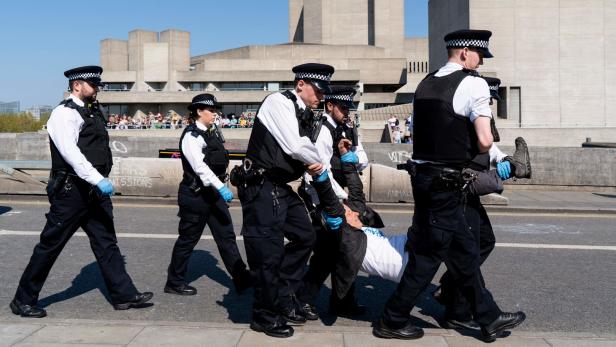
(473, 73)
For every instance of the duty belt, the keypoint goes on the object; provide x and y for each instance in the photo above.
(443, 178)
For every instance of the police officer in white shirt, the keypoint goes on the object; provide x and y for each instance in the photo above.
(203, 198)
(280, 149)
(324, 261)
(79, 193)
(451, 128)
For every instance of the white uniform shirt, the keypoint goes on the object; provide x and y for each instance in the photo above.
(277, 113)
(385, 255)
(496, 155)
(63, 127)
(359, 149)
(192, 149)
(472, 97)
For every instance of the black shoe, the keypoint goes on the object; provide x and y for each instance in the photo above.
(505, 321)
(309, 311)
(136, 302)
(460, 324)
(277, 330)
(293, 316)
(183, 289)
(408, 332)
(27, 311)
(351, 309)
(520, 160)
(242, 281)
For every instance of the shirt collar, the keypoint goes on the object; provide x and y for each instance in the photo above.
(300, 102)
(78, 101)
(330, 119)
(201, 126)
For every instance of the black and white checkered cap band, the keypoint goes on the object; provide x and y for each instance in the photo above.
(83, 76)
(467, 43)
(205, 102)
(313, 76)
(341, 97)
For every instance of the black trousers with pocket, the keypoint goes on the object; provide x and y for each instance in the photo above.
(76, 205)
(197, 210)
(273, 212)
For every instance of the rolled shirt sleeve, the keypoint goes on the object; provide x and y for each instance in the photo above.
(361, 155)
(192, 149)
(63, 128)
(277, 113)
(479, 102)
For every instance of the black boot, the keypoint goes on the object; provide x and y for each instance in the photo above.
(27, 311)
(520, 161)
(503, 322)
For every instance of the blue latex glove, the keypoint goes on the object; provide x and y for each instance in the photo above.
(226, 193)
(105, 186)
(322, 177)
(333, 223)
(503, 169)
(349, 157)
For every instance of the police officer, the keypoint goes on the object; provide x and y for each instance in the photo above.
(457, 309)
(452, 127)
(281, 148)
(79, 193)
(325, 258)
(203, 198)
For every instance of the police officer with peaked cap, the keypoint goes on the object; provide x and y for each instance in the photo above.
(280, 149)
(451, 128)
(203, 198)
(325, 259)
(79, 192)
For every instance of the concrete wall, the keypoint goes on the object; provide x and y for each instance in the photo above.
(335, 22)
(296, 20)
(389, 26)
(114, 55)
(445, 16)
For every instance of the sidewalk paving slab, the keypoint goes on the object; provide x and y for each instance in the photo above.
(186, 337)
(581, 343)
(13, 333)
(85, 334)
(299, 339)
(509, 341)
(368, 340)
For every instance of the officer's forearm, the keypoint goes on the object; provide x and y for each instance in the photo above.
(329, 201)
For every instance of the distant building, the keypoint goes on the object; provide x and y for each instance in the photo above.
(363, 40)
(37, 111)
(9, 107)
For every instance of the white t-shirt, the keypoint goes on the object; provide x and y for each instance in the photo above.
(385, 255)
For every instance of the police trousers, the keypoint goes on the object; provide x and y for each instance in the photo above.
(75, 204)
(197, 210)
(273, 212)
(456, 306)
(440, 233)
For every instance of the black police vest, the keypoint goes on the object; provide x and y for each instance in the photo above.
(216, 156)
(93, 141)
(265, 153)
(439, 134)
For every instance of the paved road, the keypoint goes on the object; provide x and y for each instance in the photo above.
(568, 288)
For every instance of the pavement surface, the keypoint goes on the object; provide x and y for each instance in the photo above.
(555, 259)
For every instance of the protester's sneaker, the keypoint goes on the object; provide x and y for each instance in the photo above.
(520, 161)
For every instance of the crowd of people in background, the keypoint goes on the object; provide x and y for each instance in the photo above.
(401, 133)
(175, 121)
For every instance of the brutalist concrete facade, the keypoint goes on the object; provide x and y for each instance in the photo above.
(363, 39)
(553, 56)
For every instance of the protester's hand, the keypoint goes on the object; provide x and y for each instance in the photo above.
(503, 169)
(314, 169)
(333, 223)
(344, 146)
(225, 193)
(349, 157)
(105, 186)
(322, 177)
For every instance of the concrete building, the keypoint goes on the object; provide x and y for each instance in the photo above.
(363, 40)
(553, 56)
(9, 107)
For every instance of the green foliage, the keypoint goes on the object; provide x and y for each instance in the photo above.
(21, 122)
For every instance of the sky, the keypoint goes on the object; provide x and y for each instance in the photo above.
(39, 40)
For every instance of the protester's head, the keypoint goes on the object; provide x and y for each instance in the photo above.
(468, 47)
(339, 102)
(352, 218)
(312, 82)
(204, 108)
